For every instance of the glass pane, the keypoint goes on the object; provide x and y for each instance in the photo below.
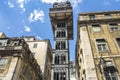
(99, 48)
(104, 47)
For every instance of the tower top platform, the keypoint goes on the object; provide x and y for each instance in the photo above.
(62, 11)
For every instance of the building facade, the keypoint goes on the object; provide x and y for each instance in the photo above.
(42, 52)
(17, 61)
(98, 46)
(61, 17)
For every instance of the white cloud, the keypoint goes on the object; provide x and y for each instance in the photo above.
(73, 2)
(27, 29)
(51, 1)
(21, 4)
(38, 37)
(10, 5)
(36, 15)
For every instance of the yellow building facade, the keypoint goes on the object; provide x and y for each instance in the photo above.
(42, 52)
(17, 61)
(98, 46)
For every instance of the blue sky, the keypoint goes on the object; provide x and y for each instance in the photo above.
(31, 17)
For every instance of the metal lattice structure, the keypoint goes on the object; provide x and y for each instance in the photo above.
(61, 17)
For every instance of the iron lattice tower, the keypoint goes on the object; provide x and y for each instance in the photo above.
(61, 16)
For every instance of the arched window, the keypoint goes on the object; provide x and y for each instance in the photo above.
(60, 33)
(63, 34)
(63, 45)
(63, 59)
(60, 45)
(57, 59)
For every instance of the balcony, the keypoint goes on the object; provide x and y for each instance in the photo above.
(60, 9)
(109, 66)
(8, 49)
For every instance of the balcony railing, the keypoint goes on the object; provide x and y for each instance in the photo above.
(61, 9)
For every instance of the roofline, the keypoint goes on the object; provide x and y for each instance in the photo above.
(99, 12)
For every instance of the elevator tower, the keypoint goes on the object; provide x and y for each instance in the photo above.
(61, 17)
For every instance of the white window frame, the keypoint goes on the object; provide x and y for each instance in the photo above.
(102, 49)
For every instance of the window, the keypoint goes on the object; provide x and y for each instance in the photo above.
(109, 71)
(101, 45)
(63, 59)
(56, 76)
(60, 34)
(60, 45)
(113, 26)
(59, 76)
(64, 76)
(3, 62)
(35, 45)
(96, 28)
(60, 24)
(107, 15)
(92, 17)
(57, 59)
(81, 17)
(118, 41)
(60, 59)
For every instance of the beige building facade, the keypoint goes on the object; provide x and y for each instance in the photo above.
(42, 52)
(17, 61)
(98, 46)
